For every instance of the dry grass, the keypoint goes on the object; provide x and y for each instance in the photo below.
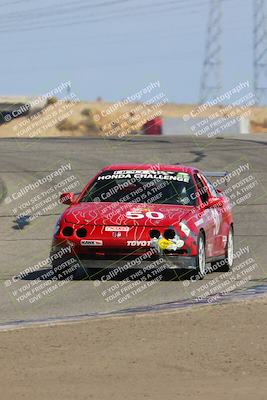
(91, 118)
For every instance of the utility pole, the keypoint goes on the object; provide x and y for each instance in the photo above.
(211, 83)
(260, 52)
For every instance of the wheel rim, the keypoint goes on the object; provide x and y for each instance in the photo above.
(201, 257)
(230, 249)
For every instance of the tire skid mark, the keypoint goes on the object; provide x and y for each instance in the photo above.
(239, 295)
(3, 190)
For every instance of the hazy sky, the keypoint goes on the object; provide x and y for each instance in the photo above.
(113, 48)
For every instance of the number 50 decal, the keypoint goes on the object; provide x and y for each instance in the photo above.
(149, 214)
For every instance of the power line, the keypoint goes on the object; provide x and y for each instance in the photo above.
(48, 12)
(15, 2)
(58, 9)
(58, 24)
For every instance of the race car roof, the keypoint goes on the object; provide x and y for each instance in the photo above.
(155, 167)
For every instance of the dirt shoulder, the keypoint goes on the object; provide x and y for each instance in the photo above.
(216, 352)
(105, 120)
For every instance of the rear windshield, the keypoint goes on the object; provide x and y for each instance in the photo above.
(135, 186)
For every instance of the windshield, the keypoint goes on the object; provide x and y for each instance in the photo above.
(137, 186)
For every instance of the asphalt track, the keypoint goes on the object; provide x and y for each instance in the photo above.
(25, 242)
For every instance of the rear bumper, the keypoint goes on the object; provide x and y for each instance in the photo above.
(179, 262)
(148, 260)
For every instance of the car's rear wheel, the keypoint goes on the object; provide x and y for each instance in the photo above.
(226, 264)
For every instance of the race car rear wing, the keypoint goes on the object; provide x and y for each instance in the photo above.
(219, 174)
(215, 174)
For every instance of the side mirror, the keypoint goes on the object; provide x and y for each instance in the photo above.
(214, 202)
(66, 198)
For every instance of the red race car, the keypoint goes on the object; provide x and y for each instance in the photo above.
(153, 127)
(145, 213)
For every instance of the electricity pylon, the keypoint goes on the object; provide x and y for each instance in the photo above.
(211, 83)
(260, 52)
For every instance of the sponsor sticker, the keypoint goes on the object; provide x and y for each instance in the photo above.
(117, 228)
(91, 242)
(183, 177)
(146, 174)
(184, 228)
(139, 243)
